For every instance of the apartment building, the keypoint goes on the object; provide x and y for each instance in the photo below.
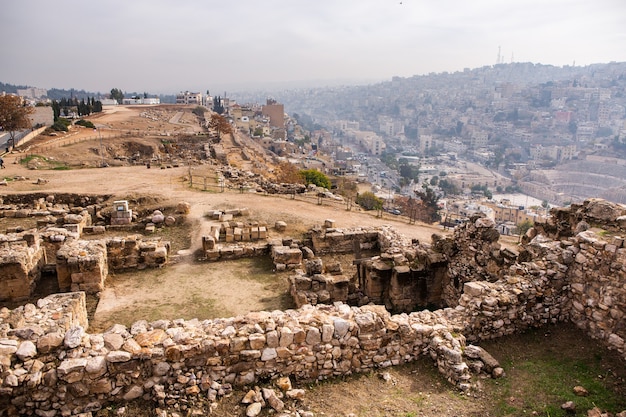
(189, 98)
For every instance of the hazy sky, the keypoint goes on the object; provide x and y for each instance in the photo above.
(166, 46)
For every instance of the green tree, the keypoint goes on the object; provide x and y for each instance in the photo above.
(199, 111)
(477, 188)
(313, 176)
(56, 110)
(408, 171)
(61, 125)
(97, 106)
(117, 95)
(369, 201)
(448, 187)
(389, 159)
(14, 116)
(523, 227)
(430, 209)
(217, 105)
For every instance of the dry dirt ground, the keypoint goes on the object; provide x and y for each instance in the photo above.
(188, 288)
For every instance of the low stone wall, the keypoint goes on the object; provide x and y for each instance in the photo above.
(136, 252)
(186, 361)
(285, 254)
(335, 240)
(220, 252)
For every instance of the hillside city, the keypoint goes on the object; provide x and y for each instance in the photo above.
(508, 140)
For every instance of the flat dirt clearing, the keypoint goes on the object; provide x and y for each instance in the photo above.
(542, 365)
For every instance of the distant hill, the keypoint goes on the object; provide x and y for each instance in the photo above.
(10, 88)
(58, 93)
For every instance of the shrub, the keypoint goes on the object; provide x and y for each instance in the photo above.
(369, 201)
(313, 176)
(86, 123)
(59, 126)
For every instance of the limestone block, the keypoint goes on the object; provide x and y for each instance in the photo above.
(215, 232)
(183, 207)
(208, 243)
(226, 217)
(120, 205)
(286, 255)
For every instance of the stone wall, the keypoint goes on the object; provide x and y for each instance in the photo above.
(320, 285)
(591, 249)
(575, 263)
(21, 259)
(406, 276)
(184, 362)
(82, 266)
(136, 252)
(335, 240)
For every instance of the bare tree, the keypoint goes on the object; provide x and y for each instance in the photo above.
(14, 115)
(220, 124)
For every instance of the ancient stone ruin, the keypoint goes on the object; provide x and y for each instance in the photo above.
(21, 259)
(56, 244)
(570, 269)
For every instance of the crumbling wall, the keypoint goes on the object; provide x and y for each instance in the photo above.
(473, 253)
(82, 266)
(320, 285)
(136, 252)
(21, 260)
(52, 239)
(285, 254)
(335, 240)
(577, 258)
(406, 276)
(591, 246)
(81, 372)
